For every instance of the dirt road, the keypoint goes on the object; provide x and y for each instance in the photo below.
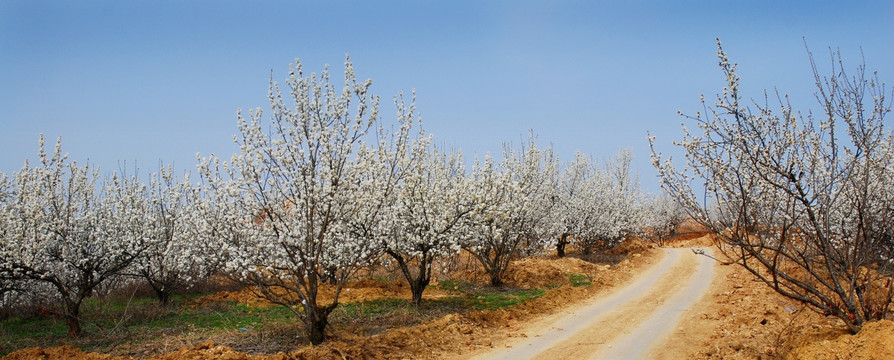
(629, 323)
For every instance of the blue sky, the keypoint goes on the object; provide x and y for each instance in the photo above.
(148, 81)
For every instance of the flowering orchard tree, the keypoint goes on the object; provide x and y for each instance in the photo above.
(573, 206)
(9, 282)
(306, 194)
(60, 229)
(598, 207)
(176, 256)
(803, 203)
(611, 210)
(662, 216)
(427, 216)
(515, 202)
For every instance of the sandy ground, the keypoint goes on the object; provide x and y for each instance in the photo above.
(626, 323)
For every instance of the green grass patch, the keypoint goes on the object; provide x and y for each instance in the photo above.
(19, 328)
(580, 280)
(492, 300)
(139, 322)
(224, 315)
(456, 285)
(372, 308)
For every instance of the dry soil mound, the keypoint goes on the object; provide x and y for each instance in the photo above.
(358, 291)
(631, 246)
(60, 352)
(874, 341)
(539, 272)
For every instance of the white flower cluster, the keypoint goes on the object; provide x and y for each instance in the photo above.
(514, 203)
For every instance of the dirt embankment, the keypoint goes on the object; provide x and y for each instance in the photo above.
(742, 318)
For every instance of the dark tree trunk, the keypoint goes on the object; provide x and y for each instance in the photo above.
(417, 287)
(560, 245)
(315, 321)
(496, 280)
(164, 297)
(162, 292)
(494, 262)
(423, 275)
(73, 318)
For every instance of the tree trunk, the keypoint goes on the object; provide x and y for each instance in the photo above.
(496, 278)
(73, 318)
(162, 292)
(164, 297)
(315, 321)
(560, 245)
(417, 287)
(423, 276)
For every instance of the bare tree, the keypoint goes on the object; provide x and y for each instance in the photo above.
(802, 202)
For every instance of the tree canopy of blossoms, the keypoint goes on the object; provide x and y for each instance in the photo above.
(62, 229)
(662, 217)
(176, 256)
(307, 190)
(598, 207)
(425, 221)
(515, 201)
(319, 188)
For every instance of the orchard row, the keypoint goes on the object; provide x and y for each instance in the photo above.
(319, 189)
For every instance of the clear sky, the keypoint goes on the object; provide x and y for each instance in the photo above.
(150, 81)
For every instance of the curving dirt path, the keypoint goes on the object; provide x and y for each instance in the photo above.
(629, 323)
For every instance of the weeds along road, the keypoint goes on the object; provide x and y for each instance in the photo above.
(629, 323)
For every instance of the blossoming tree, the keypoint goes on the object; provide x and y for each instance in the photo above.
(573, 201)
(515, 202)
(62, 230)
(176, 256)
(611, 205)
(662, 217)
(309, 189)
(427, 215)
